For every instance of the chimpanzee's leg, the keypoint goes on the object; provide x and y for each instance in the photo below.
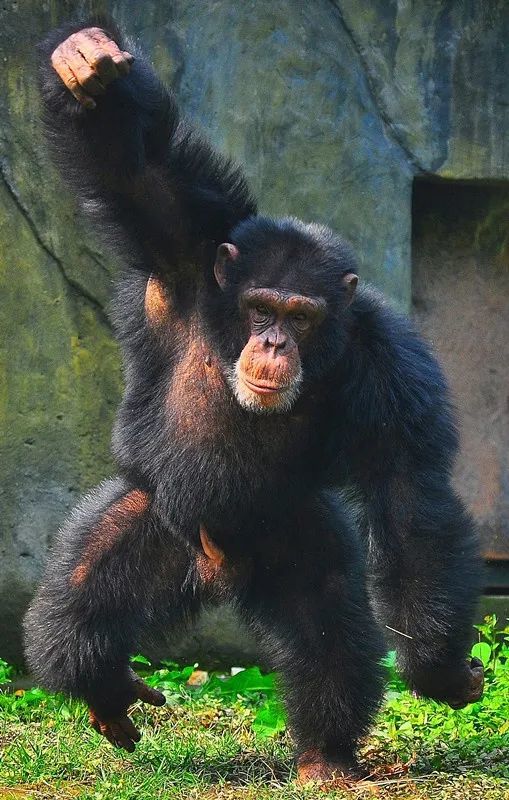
(307, 602)
(113, 574)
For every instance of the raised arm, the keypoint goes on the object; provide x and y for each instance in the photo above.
(142, 175)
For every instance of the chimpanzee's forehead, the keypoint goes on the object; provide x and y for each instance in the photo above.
(296, 273)
(286, 253)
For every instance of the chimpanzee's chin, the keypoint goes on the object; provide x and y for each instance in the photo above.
(282, 407)
(277, 403)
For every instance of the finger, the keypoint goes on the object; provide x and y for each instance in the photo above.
(456, 705)
(86, 76)
(104, 66)
(149, 695)
(121, 58)
(122, 65)
(130, 729)
(121, 737)
(477, 685)
(102, 38)
(211, 550)
(98, 57)
(100, 47)
(70, 80)
(94, 722)
(107, 733)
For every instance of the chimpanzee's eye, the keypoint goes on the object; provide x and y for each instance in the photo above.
(301, 321)
(261, 313)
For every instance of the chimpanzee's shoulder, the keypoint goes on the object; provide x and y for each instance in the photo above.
(391, 378)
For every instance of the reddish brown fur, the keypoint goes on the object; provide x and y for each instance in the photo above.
(111, 527)
(258, 365)
(313, 766)
(209, 563)
(217, 572)
(196, 380)
(156, 302)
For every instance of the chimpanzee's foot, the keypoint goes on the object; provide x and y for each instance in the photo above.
(456, 686)
(314, 766)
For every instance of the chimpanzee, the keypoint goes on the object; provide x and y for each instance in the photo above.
(262, 390)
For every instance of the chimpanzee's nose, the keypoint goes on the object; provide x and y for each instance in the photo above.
(275, 340)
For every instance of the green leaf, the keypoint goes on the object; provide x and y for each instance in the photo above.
(249, 681)
(6, 672)
(169, 679)
(482, 651)
(269, 720)
(139, 659)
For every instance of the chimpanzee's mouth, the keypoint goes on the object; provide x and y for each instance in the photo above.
(263, 387)
(262, 396)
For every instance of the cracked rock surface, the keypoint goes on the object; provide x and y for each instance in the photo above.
(332, 106)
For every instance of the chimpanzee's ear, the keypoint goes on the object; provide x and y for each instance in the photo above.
(349, 283)
(225, 252)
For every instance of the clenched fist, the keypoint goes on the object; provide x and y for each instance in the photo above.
(87, 62)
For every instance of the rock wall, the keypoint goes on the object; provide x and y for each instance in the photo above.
(333, 108)
(461, 303)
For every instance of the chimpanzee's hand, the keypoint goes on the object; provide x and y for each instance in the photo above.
(119, 730)
(88, 61)
(456, 686)
(473, 685)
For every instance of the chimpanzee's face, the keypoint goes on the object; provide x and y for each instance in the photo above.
(267, 377)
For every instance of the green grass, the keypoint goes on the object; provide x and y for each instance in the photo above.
(226, 739)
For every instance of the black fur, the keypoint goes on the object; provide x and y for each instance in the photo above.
(373, 418)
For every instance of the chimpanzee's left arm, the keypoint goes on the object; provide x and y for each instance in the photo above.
(423, 549)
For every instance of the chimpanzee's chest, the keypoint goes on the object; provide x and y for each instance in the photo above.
(225, 453)
(199, 403)
(202, 412)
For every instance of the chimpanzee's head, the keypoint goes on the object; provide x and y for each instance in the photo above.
(285, 288)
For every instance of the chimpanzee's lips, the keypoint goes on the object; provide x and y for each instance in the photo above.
(263, 387)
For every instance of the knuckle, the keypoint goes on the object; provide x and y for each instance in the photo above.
(85, 34)
(73, 42)
(87, 80)
(58, 60)
(100, 57)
